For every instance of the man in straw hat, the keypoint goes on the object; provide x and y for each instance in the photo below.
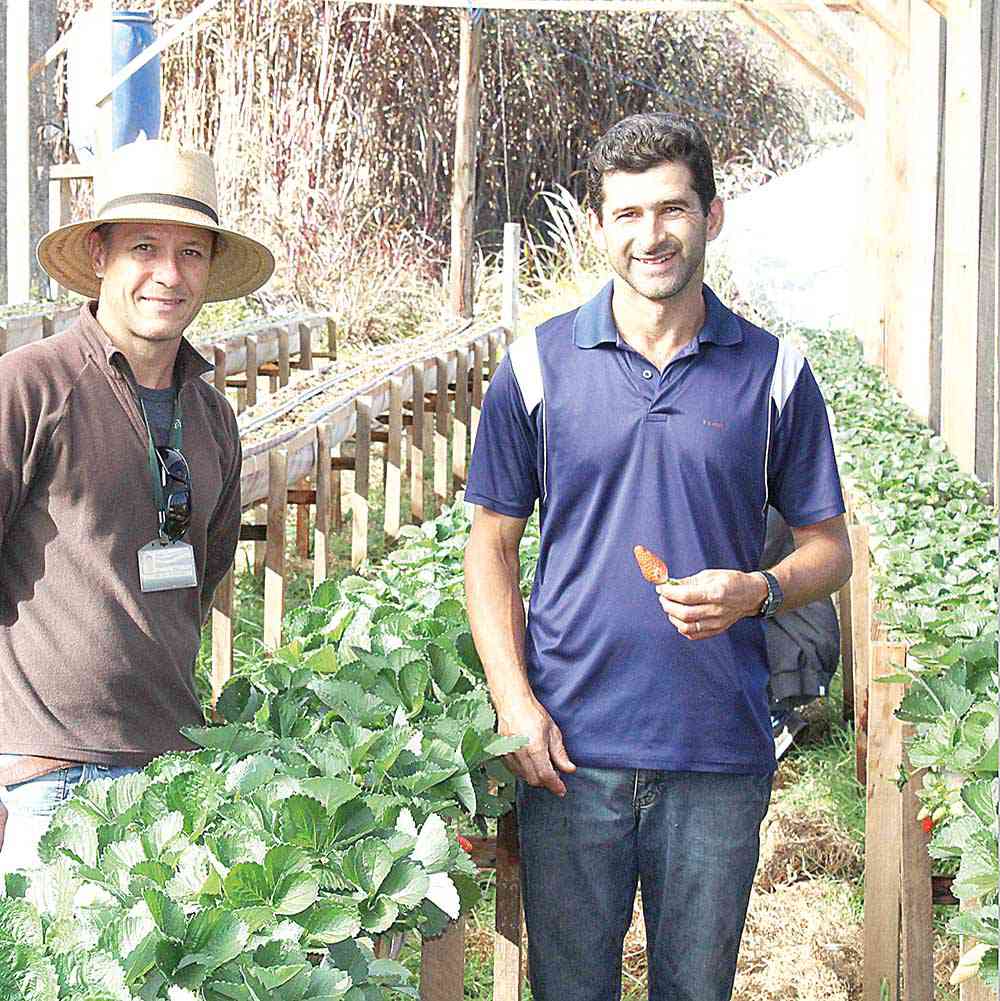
(119, 488)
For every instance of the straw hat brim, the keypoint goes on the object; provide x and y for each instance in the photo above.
(240, 265)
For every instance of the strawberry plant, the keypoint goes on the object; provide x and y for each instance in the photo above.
(934, 550)
(314, 817)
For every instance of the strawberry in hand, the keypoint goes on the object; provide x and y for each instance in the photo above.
(651, 566)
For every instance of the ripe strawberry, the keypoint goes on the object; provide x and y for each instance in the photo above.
(927, 824)
(652, 567)
(464, 843)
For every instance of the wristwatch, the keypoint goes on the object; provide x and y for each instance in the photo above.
(770, 605)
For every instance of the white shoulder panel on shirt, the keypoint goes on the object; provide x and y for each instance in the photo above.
(787, 367)
(527, 368)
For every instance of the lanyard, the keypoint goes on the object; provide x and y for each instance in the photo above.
(157, 471)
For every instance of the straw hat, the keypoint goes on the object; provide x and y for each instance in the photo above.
(156, 181)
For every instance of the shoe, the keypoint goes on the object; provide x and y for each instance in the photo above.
(785, 725)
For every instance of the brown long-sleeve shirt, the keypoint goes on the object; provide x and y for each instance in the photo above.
(92, 669)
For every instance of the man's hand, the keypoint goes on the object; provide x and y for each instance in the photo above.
(538, 760)
(708, 603)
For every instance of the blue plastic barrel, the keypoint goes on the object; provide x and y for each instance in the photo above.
(136, 102)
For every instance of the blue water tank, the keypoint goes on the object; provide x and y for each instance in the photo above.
(136, 102)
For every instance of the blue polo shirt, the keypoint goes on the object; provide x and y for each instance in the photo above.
(685, 462)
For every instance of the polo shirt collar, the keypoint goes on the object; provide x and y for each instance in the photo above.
(188, 365)
(594, 323)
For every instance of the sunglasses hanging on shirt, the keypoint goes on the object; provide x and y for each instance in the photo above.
(167, 563)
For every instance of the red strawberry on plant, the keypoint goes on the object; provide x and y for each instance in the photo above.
(927, 825)
(464, 843)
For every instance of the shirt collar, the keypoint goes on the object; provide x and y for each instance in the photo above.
(188, 365)
(594, 323)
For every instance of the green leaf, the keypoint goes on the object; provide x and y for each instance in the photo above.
(303, 821)
(407, 884)
(234, 737)
(367, 863)
(978, 797)
(323, 661)
(433, 845)
(413, 679)
(247, 885)
(126, 792)
(26, 975)
(351, 821)
(294, 888)
(239, 701)
(445, 669)
(20, 923)
(331, 792)
(250, 773)
(167, 915)
(379, 915)
(331, 920)
(215, 937)
(977, 873)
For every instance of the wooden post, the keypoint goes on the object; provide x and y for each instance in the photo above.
(362, 459)
(494, 353)
(441, 420)
(331, 338)
(846, 650)
(463, 198)
(259, 548)
(252, 367)
(477, 388)
(284, 361)
(511, 270)
(442, 964)
(324, 475)
(417, 440)
(274, 571)
(18, 194)
(393, 459)
(104, 71)
(507, 943)
(915, 890)
(460, 428)
(59, 215)
(305, 345)
(963, 163)
(302, 524)
(336, 486)
(219, 372)
(882, 830)
(861, 625)
(222, 635)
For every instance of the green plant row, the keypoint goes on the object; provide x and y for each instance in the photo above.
(314, 818)
(934, 547)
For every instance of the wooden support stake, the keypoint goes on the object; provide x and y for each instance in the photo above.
(846, 650)
(417, 441)
(324, 477)
(460, 427)
(274, 569)
(284, 360)
(478, 354)
(861, 625)
(336, 486)
(442, 964)
(915, 889)
(494, 353)
(222, 635)
(882, 830)
(511, 271)
(441, 421)
(18, 151)
(259, 548)
(252, 368)
(393, 460)
(872, 12)
(331, 338)
(302, 524)
(305, 345)
(464, 184)
(362, 458)
(507, 942)
(60, 197)
(219, 373)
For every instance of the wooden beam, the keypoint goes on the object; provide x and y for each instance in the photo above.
(71, 171)
(882, 831)
(963, 184)
(507, 941)
(442, 418)
(747, 9)
(861, 625)
(460, 425)
(393, 460)
(868, 8)
(600, 6)
(442, 964)
(811, 44)
(832, 24)
(463, 198)
(18, 192)
(103, 70)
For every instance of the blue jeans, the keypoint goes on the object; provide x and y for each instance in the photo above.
(31, 804)
(689, 839)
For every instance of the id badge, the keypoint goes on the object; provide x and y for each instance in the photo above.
(167, 567)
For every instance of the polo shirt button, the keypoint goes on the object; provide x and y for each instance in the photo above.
(647, 373)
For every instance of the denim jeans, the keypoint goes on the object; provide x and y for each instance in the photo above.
(689, 839)
(31, 804)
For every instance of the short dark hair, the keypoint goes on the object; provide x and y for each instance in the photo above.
(103, 232)
(640, 142)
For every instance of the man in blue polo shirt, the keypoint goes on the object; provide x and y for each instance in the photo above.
(650, 415)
